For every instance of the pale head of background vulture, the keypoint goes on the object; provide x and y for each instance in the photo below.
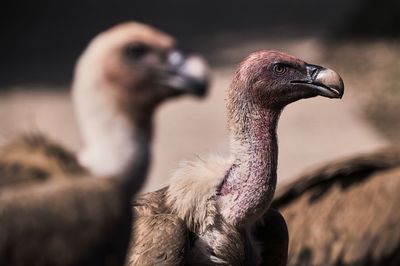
(122, 76)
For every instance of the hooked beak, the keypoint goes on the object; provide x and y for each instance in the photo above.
(187, 74)
(324, 81)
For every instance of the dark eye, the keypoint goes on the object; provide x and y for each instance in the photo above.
(136, 51)
(279, 69)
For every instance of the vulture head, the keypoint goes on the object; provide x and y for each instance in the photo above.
(136, 67)
(274, 79)
(120, 79)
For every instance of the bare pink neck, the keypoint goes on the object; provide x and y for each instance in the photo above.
(249, 185)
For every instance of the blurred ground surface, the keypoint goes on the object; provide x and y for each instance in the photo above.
(311, 131)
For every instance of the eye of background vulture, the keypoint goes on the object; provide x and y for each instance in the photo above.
(279, 69)
(136, 51)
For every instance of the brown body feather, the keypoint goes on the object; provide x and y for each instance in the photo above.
(78, 220)
(345, 212)
(34, 158)
(160, 237)
(84, 222)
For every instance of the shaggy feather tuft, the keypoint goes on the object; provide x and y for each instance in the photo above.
(192, 189)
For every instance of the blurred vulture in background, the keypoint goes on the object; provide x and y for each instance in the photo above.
(346, 212)
(121, 78)
(52, 209)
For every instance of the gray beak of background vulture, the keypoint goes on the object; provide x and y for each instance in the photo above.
(186, 74)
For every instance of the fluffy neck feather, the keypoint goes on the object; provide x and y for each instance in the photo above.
(250, 183)
(112, 143)
(113, 139)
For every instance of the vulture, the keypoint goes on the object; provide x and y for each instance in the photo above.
(52, 210)
(82, 221)
(119, 80)
(346, 212)
(206, 216)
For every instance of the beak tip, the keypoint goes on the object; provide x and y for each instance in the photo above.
(332, 80)
(201, 90)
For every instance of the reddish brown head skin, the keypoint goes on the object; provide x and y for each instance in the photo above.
(258, 83)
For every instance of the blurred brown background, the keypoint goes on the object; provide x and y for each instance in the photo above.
(40, 41)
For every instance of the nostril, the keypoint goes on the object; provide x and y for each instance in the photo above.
(313, 70)
(314, 73)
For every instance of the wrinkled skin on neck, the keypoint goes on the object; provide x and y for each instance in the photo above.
(250, 183)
